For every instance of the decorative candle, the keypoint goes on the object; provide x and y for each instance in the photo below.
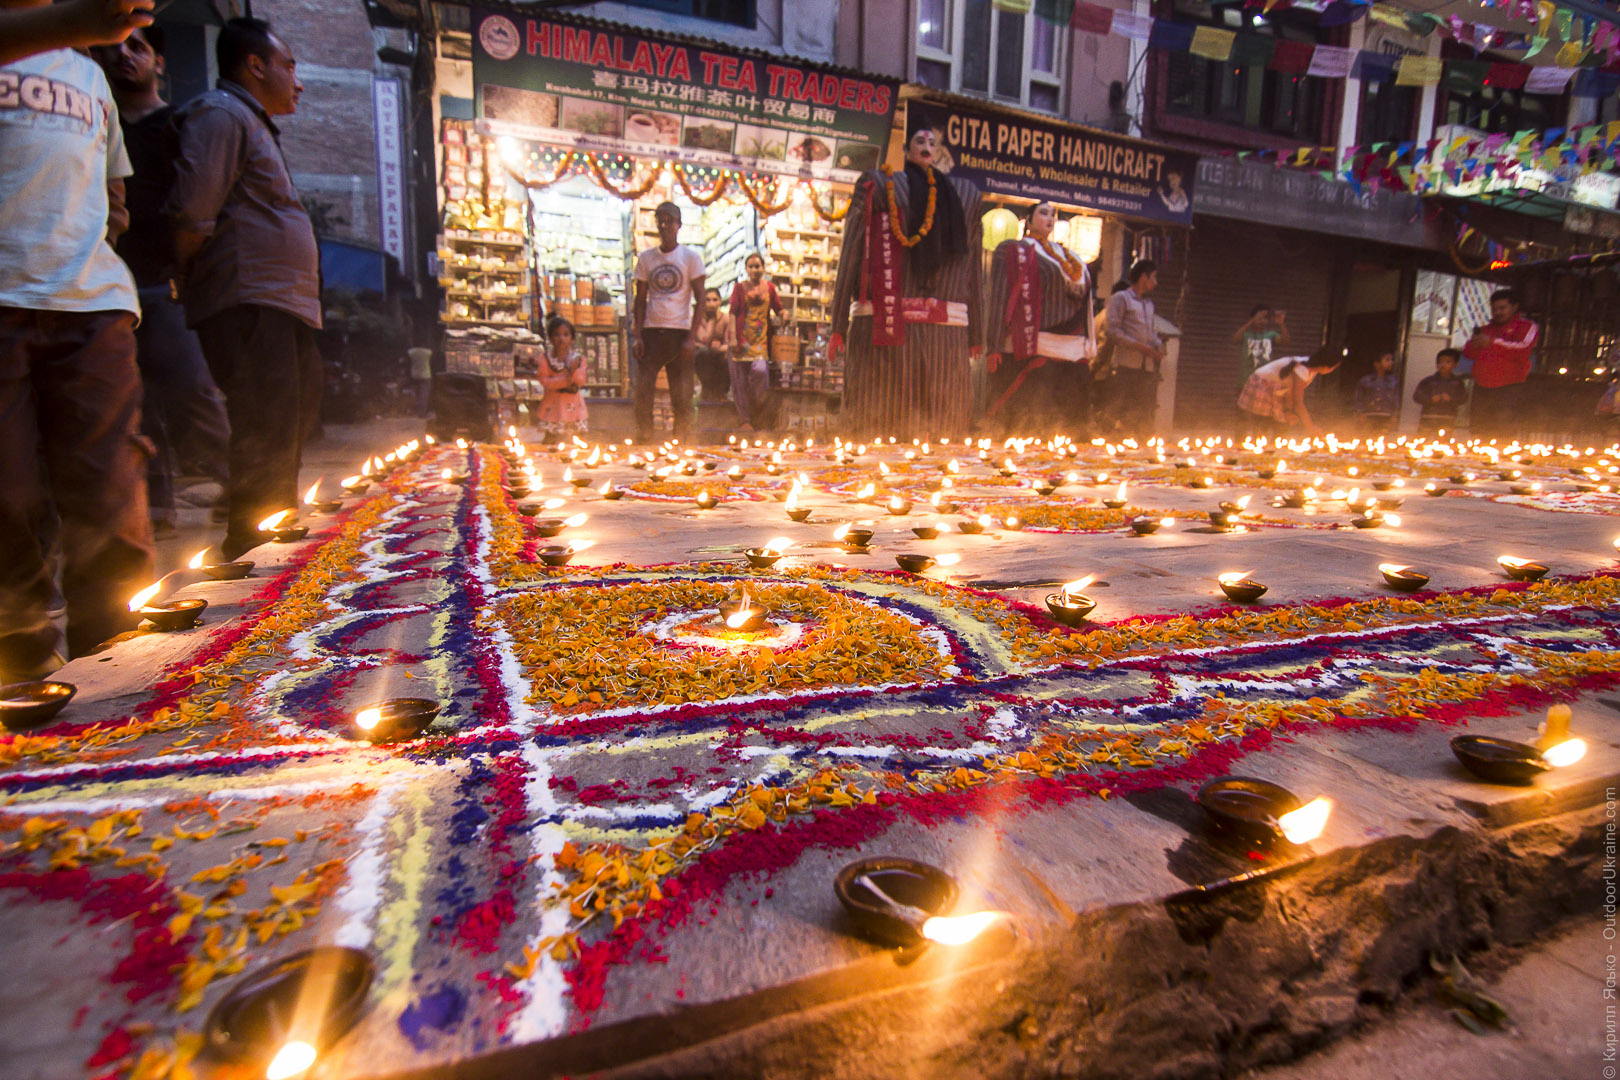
(1118, 501)
(1521, 569)
(1238, 586)
(1071, 606)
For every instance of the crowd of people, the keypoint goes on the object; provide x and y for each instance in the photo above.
(158, 298)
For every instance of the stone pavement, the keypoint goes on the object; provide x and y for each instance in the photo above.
(614, 849)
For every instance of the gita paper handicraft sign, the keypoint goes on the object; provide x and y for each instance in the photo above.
(610, 90)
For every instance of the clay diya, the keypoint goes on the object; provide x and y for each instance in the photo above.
(739, 614)
(1403, 578)
(395, 719)
(889, 898)
(925, 532)
(282, 1016)
(1070, 607)
(1148, 526)
(557, 555)
(1500, 761)
(1240, 588)
(1256, 811)
(1521, 569)
(25, 705)
(174, 615)
(913, 563)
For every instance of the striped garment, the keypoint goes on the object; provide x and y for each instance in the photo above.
(1061, 313)
(1048, 393)
(924, 387)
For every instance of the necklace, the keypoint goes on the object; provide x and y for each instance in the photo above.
(895, 224)
(1073, 267)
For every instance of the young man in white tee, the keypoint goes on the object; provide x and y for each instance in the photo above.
(669, 302)
(74, 469)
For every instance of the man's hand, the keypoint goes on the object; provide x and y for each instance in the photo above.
(105, 22)
(72, 24)
(637, 350)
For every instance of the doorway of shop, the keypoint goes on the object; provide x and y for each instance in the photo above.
(1372, 327)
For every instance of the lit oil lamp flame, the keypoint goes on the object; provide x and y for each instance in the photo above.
(883, 468)
(461, 444)
(1234, 577)
(1072, 588)
(575, 521)
(1565, 753)
(367, 719)
(778, 544)
(1392, 568)
(444, 474)
(607, 486)
(350, 481)
(957, 929)
(950, 558)
(1120, 494)
(274, 520)
(552, 504)
(867, 492)
(139, 600)
(293, 1058)
(734, 472)
(793, 496)
(1282, 466)
(1508, 562)
(1392, 520)
(704, 499)
(1012, 521)
(739, 618)
(309, 496)
(985, 521)
(196, 562)
(1306, 824)
(896, 503)
(1164, 522)
(842, 531)
(568, 474)
(952, 466)
(581, 545)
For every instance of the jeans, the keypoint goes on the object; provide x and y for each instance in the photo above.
(662, 348)
(75, 465)
(182, 411)
(265, 361)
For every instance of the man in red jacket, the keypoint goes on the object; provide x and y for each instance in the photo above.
(1501, 352)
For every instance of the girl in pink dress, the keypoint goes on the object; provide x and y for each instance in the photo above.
(561, 411)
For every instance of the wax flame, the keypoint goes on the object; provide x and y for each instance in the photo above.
(293, 1058)
(139, 600)
(366, 719)
(1234, 577)
(1565, 753)
(274, 520)
(575, 521)
(1306, 824)
(1073, 587)
(309, 496)
(196, 562)
(958, 929)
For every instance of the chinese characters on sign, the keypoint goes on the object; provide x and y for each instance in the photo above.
(616, 91)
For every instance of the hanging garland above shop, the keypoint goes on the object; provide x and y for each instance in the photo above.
(714, 194)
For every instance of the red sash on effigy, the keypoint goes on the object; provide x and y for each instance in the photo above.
(883, 274)
(1023, 301)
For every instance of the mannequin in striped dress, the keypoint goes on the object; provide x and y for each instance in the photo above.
(1042, 334)
(908, 297)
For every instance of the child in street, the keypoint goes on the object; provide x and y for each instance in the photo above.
(1378, 397)
(1440, 395)
(561, 413)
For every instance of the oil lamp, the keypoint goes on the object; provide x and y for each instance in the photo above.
(1403, 578)
(1261, 812)
(1045, 488)
(1118, 501)
(1238, 586)
(395, 718)
(974, 526)
(609, 492)
(354, 485)
(280, 528)
(1434, 490)
(562, 555)
(898, 901)
(763, 558)
(1503, 761)
(280, 1018)
(1521, 569)
(1201, 482)
(174, 615)
(25, 705)
(925, 532)
(219, 571)
(1525, 489)
(1148, 526)
(853, 537)
(740, 615)
(705, 501)
(1012, 523)
(898, 506)
(319, 505)
(914, 563)
(1070, 607)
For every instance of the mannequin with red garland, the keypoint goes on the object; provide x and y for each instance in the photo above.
(908, 296)
(1042, 334)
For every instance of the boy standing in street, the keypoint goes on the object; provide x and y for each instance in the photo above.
(668, 309)
(70, 393)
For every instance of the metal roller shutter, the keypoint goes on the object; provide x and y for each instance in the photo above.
(1233, 266)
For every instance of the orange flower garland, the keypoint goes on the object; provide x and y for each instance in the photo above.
(718, 190)
(759, 202)
(563, 165)
(828, 215)
(602, 179)
(1073, 267)
(895, 225)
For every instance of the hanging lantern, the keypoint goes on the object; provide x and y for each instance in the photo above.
(1085, 237)
(999, 224)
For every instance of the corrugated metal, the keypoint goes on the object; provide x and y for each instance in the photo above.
(1233, 266)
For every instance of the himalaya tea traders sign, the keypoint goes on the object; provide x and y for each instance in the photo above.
(1012, 154)
(604, 88)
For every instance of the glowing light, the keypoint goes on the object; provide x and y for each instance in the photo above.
(958, 929)
(1234, 577)
(552, 504)
(293, 1058)
(367, 719)
(139, 600)
(1565, 753)
(842, 531)
(274, 520)
(1306, 824)
(309, 496)
(778, 544)
(196, 562)
(575, 521)
(1508, 562)
(985, 521)
(867, 492)
(1072, 588)
(947, 559)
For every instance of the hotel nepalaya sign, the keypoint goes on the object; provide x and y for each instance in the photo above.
(1017, 155)
(610, 89)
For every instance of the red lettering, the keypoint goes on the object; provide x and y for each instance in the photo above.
(795, 79)
(681, 68)
(642, 64)
(880, 99)
(602, 53)
(809, 88)
(829, 90)
(775, 73)
(709, 62)
(577, 45)
(863, 98)
(661, 54)
(536, 37)
(746, 80)
(846, 94)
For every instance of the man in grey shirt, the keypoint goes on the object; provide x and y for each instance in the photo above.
(1129, 396)
(250, 271)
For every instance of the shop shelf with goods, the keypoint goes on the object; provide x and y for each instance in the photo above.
(484, 274)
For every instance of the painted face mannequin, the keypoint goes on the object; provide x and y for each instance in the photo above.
(1041, 220)
(920, 148)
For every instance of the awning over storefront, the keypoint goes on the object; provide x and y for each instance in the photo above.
(1023, 155)
(610, 89)
(1296, 199)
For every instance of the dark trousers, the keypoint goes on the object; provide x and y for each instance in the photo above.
(1053, 398)
(74, 473)
(265, 361)
(182, 411)
(662, 349)
(713, 372)
(1126, 402)
(1492, 410)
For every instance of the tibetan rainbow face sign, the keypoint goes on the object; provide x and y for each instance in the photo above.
(640, 766)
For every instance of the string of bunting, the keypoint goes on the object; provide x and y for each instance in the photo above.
(1577, 63)
(570, 162)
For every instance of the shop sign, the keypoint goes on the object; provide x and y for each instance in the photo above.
(610, 89)
(1296, 199)
(1006, 154)
(385, 99)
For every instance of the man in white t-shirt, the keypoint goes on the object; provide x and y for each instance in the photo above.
(72, 467)
(669, 302)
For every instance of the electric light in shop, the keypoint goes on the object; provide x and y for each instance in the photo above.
(1085, 237)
